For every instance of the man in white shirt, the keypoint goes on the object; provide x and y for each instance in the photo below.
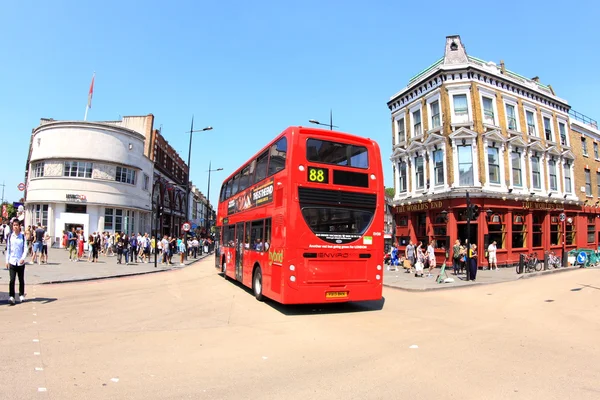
(492, 256)
(15, 261)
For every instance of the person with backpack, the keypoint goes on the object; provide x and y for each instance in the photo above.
(96, 246)
(15, 261)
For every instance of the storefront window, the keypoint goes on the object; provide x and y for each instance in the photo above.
(555, 231)
(519, 235)
(570, 231)
(497, 230)
(538, 220)
(439, 231)
(591, 229)
(421, 227)
(40, 214)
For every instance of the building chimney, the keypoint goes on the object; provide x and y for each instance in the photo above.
(502, 68)
(536, 79)
(455, 52)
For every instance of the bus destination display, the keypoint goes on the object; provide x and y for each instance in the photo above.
(318, 175)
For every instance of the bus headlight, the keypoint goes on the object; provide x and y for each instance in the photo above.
(379, 268)
(293, 278)
(301, 168)
(292, 268)
(373, 176)
(378, 277)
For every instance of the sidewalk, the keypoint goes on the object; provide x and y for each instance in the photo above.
(401, 280)
(60, 269)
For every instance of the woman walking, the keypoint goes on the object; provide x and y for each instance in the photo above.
(15, 261)
(473, 261)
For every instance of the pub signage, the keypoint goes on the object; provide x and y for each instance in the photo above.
(420, 206)
(534, 205)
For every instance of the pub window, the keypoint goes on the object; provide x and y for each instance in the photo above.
(591, 229)
(439, 231)
(519, 235)
(403, 221)
(497, 230)
(555, 231)
(538, 220)
(571, 232)
(421, 227)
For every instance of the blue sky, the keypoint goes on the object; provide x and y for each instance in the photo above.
(250, 69)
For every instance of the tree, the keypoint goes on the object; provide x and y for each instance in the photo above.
(390, 192)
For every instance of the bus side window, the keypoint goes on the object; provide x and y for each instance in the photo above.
(244, 179)
(278, 152)
(247, 236)
(257, 235)
(267, 240)
(229, 236)
(222, 197)
(251, 170)
(228, 190)
(261, 167)
(236, 182)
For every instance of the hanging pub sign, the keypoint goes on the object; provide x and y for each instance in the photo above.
(261, 194)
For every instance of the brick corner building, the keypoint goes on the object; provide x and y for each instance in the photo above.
(467, 125)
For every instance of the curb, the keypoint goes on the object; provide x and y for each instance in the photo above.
(98, 278)
(450, 287)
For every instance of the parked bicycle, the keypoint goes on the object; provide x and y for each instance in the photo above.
(532, 263)
(553, 261)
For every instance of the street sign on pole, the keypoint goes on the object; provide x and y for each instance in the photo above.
(21, 186)
(582, 257)
(562, 217)
(186, 227)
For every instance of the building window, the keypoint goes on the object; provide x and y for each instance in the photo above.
(497, 230)
(516, 169)
(535, 172)
(438, 166)
(488, 111)
(417, 123)
(125, 175)
(567, 173)
(563, 134)
(584, 148)
(401, 131)
(511, 117)
(552, 173)
(108, 219)
(548, 129)
(591, 229)
(435, 115)
(598, 183)
(536, 236)
(119, 220)
(76, 208)
(555, 231)
(78, 169)
(530, 123)
(420, 172)
(588, 183)
(40, 214)
(465, 165)
(519, 228)
(494, 165)
(38, 170)
(571, 232)
(440, 224)
(596, 150)
(461, 108)
(420, 226)
(146, 181)
(194, 209)
(402, 182)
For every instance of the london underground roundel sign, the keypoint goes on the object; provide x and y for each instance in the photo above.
(186, 227)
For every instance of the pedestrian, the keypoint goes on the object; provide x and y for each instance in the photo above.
(45, 246)
(39, 234)
(409, 254)
(91, 246)
(120, 246)
(97, 240)
(431, 257)
(72, 245)
(126, 244)
(15, 261)
(2, 232)
(456, 255)
(181, 248)
(420, 259)
(473, 262)
(80, 244)
(492, 260)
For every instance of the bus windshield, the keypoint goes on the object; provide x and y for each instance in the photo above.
(327, 152)
(337, 225)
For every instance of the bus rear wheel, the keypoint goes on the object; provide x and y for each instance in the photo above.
(257, 284)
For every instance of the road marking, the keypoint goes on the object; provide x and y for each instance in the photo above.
(35, 314)
(41, 389)
(36, 340)
(39, 368)
(36, 353)
(34, 322)
(264, 357)
(414, 346)
(115, 379)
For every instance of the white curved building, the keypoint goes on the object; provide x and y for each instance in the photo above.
(90, 175)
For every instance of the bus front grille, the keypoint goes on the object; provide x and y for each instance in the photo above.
(336, 198)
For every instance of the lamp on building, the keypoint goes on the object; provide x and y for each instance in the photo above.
(510, 190)
(549, 194)
(330, 124)
(565, 196)
(532, 194)
(489, 213)
(444, 215)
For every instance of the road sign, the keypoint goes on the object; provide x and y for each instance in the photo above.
(194, 226)
(21, 186)
(562, 217)
(186, 227)
(582, 257)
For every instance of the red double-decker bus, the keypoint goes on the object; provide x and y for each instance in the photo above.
(302, 220)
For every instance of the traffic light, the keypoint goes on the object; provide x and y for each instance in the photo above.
(474, 211)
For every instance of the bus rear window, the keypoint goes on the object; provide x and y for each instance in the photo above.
(327, 152)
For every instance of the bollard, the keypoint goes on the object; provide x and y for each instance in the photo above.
(565, 260)
(521, 263)
(546, 254)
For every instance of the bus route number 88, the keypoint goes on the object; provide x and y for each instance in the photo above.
(318, 175)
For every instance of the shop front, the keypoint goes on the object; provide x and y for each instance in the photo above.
(517, 227)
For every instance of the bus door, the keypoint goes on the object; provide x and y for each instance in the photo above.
(239, 250)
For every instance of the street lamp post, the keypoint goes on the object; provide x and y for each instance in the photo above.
(187, 184)
(206, 222)
(330, 124)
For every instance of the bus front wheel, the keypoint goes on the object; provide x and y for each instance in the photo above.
(257, 284)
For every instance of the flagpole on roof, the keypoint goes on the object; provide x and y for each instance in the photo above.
(90, 95)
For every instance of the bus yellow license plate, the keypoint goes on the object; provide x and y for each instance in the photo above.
(335, 295)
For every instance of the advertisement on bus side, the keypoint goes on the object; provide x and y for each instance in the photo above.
(258, 196)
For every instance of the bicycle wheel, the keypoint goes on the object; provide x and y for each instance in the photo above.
(538, 265)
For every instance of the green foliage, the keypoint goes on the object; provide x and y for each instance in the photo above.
(390, 192)
(12, 211)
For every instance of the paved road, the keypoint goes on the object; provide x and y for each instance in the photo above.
(189, 334)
